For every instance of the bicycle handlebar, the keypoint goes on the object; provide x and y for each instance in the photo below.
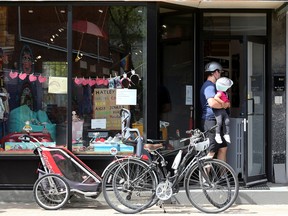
(197, 130)
(197, 134)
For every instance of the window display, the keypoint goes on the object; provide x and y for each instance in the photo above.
(108, 46)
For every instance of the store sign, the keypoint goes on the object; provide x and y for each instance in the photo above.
(104, 107)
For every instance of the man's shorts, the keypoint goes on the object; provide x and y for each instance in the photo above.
(214, 146)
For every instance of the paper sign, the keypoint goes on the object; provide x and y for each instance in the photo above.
(189, 95)
(57, 85)
(126, 97)
(105, 107)
(98, 123)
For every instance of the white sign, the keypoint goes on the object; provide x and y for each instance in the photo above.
(189, 95)
(126, 96)
(57, 85)
(98, 123)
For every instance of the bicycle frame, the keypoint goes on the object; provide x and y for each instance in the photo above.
(183, 167)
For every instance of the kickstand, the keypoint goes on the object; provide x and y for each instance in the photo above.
(161, 205)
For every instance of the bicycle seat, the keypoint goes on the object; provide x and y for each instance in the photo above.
(153, 147)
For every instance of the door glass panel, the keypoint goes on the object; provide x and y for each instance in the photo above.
(176, 76)
(256, 92)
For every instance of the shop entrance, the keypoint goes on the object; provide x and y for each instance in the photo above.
(243, 61)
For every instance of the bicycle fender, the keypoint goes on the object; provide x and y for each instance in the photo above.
(207, 157)
(120, 159)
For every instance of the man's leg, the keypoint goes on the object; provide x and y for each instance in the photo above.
(222, 153)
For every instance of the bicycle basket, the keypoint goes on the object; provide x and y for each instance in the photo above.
(202, 145)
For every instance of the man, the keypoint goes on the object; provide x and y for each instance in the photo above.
(208, 90)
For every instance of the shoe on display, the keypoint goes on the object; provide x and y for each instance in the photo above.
(115, 139)
(109, 139)
(227, 138)
(218, 138)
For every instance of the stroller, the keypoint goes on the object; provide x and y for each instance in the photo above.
(61, 174)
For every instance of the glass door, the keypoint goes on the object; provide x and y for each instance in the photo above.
(254, 120)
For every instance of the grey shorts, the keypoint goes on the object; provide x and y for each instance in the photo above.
(214, 146)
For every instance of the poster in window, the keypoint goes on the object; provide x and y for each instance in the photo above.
(104, 107)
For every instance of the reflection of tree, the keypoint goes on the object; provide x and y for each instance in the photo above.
(125, 28)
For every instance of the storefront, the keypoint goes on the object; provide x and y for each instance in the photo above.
(67, 69)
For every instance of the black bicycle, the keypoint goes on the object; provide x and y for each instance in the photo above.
(211, 185)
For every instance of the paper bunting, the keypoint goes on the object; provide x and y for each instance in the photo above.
(42, 79)
(78, 81)
(32, 78)
(13, 75)
(22, 76)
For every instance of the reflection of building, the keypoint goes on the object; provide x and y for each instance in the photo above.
(175, 59)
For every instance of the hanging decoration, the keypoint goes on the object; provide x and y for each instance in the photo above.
(122, 81)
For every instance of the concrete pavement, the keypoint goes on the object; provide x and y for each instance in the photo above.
(271, 200)
(99, 208)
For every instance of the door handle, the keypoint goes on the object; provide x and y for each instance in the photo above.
(245, 122)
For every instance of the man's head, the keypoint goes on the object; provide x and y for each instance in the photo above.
(213, 69)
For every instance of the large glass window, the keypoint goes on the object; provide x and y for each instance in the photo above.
(33, 54)
(108, 69)
(109, 47)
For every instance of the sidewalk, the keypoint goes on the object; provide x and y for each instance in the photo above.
(269, 200)
(259, 195)
(98, 207)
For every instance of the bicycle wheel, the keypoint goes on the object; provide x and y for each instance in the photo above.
(133, 184)
(213, 187)
(51, 192)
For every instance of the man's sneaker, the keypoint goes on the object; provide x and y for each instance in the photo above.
(218, 138)
(227, 138)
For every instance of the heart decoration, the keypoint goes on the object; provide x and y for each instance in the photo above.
(13, 75)
(32, 78)
(42, 79)
(91, 82)
(78, 81)
(22, 76)
(85, 82)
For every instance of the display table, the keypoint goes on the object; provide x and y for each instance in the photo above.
(11, 142)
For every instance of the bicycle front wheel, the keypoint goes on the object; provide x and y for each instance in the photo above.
(134, 186)
(122, 189)
(211, 186)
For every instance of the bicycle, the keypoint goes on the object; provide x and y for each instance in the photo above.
(211, 185)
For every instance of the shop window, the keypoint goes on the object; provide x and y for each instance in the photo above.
(33, 50)
(109, 61)
(109, 47)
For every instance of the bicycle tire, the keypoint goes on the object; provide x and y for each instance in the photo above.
(114, 198)
(51, 192)
(215, 192)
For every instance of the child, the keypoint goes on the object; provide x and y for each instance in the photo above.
(221, 115)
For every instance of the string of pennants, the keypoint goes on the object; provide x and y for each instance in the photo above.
(78, 81)
(23, 76)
